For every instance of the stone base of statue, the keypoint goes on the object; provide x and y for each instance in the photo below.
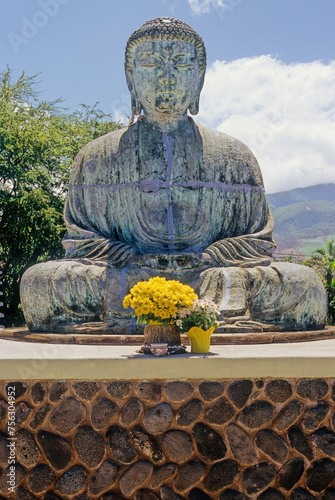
(67, 294)
(96, 334)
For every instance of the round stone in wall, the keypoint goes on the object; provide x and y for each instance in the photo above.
(278, 391)
(324, 439)
(18, 387)
(68, 415)
(220, 412)
(197, 494)
(51, 496)
(86, 390)
(56, 449)
(167, 494)
(257, 478)
(210, 390)
(302, 494)
(329, 494)
(58, 389)
(299, 441)
(22, 412)
(312, 389)
(189, 413)
(178, 391)
(158, 418)
(149, 391)
(27, 453)
(162, 474)
(102, 413)
(89, 446)
(147, 444)
(38, 392)
(131, 412)
(239, 392)
(220, 475)
(241, 444)
(288, 415)
(272, 445)
(4, 450)
(104, 478)
(290, 473)
(40, 416)
(320, 474)
(177, 446)
(314, 416)
(72, 481)
(135, 477)
(209, 443)
(40, 478)
(22, 494)
(119, 390)
(120, 446)
(271, 494)
(145, 495)
(20, 473)
(188, 475)
(256, 415)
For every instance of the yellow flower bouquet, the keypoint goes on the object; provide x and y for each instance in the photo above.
(158, 300)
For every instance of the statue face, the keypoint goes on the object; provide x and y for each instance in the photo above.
(166, 76)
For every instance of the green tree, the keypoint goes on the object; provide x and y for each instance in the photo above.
(38, 142)
(323, 260)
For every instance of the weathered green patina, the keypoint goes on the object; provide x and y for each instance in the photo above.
(172, 198)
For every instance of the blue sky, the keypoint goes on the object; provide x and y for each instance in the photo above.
(264, 84)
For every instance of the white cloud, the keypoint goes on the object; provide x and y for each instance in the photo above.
(284, 113)
(199, 7)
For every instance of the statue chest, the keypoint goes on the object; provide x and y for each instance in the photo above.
(169, 173)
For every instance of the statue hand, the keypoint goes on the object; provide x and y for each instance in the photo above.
(172, 261)
(207, 260)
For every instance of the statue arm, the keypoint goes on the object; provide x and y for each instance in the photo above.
(246, 250)
(247, 225)
(88, 235)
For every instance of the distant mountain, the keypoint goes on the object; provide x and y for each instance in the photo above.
(304, 218)
(321, 192)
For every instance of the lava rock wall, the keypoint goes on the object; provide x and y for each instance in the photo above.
(216, 439)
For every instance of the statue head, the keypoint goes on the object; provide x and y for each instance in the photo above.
(165, 65)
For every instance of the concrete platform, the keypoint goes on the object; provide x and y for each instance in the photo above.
(26, 361)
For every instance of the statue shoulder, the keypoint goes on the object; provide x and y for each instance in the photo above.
(96, 153)
(220, 140)
(107, 142)
(231, 154)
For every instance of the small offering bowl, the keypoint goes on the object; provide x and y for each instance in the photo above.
(159, 349)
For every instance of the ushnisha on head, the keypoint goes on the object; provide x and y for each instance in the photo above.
(165, 63)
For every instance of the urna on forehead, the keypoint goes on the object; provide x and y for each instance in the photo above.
(165, 28)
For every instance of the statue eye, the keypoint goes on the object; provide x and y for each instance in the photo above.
(183, 61)
(149, 60)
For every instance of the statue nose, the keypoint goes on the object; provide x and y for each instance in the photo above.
(166, 81)
(167, 77)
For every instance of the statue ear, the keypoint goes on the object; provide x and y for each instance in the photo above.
(194, 106)
(135, 102)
